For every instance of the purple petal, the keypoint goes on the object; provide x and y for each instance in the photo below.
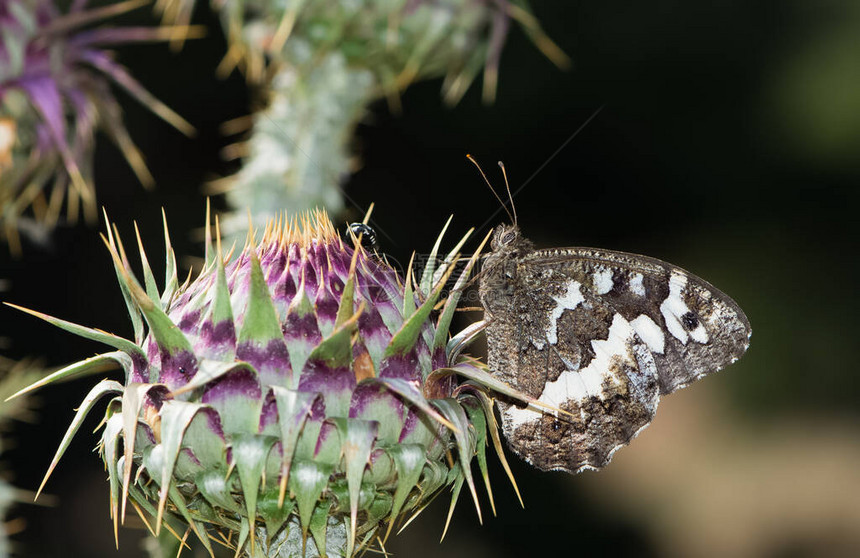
(45, 96)
(284, 290)
(189, 321)
(334, 383)
(238, 398)
(326, 306)
(177, 369)
(302, 329)
(140, 368)
(405, 367)
(311, 281)
(273, 263)
(216, 339)
(237, 383)
(340, 260)
(272, 361)
(115, 36)
(269, 416)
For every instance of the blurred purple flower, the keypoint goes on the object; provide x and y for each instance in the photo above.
(55, 92)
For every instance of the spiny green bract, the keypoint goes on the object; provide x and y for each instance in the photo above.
(297, 399)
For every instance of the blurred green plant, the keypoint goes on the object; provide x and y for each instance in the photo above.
(14, 376)
(320, 64)
(811, 97)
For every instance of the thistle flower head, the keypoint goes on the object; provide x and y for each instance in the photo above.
(55, 92)
(300, 398)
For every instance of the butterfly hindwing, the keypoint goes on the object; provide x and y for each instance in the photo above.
(578, 355)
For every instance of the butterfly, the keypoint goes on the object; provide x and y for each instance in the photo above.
(598, 336)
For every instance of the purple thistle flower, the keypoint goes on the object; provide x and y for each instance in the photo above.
(298, 399)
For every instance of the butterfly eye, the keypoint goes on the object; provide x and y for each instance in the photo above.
(509, 237)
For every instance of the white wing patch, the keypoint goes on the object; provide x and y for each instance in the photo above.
(700, 334)
(568, 301)
(674, 308)
(602, 281)
(579, 385)
(636, 285)
(650, 333)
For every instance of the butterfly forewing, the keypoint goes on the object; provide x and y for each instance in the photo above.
(599, 335)
(690, 326)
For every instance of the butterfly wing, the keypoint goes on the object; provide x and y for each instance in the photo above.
(699, 329)
(600, 335)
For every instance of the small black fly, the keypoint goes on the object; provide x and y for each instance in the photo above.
(365, 233)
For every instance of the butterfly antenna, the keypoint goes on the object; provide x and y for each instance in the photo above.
(490, 186)
(508, 188)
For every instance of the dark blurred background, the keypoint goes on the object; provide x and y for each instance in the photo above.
(729, 144)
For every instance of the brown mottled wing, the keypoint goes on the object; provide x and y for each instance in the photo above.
(599, 335)
(704, 329)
